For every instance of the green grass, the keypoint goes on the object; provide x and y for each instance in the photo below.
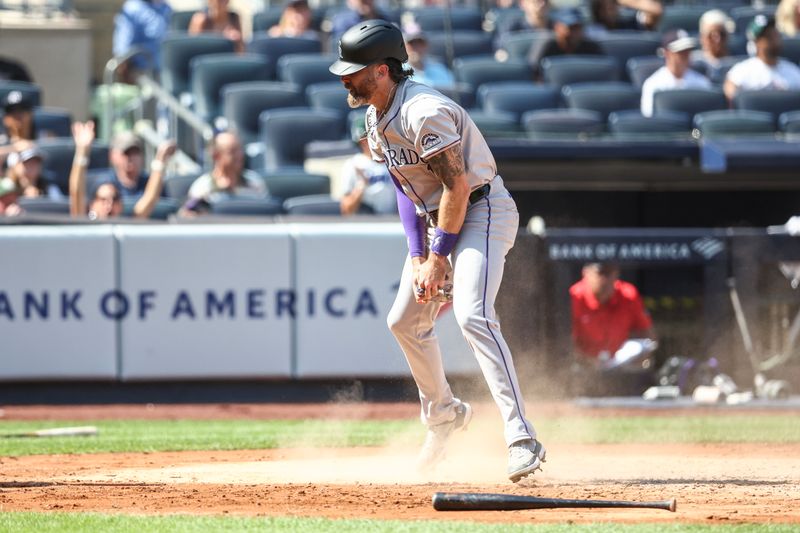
(177, 435)
(82, 522)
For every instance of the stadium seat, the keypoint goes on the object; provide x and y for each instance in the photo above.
(177, 186)
(475, 71)
(179, 21)
(551, 124)
(465, 43)
(737, 122)
(566, 70)
(31, 91)
(603, 97)
(518, 44)
(243, 102)
(633, 125)
(718, 77)
(273, 48)
(285, 133)
(790, 49)
(264, 20)
(52, 122)
(328, 95)
(44, 206)
(770, 101)
(247, 206)
(461, 18)
(460, 93)
(689, 101)
(622, 46)
(162, 210)
(499, 18)
(318, 204)
(682, 17)
(210, 73)
(496, 124)
(290, 184)
(305, 69)
(642, 67)
(177, 51)
(517, 97)
(59, 154)
(790, 123)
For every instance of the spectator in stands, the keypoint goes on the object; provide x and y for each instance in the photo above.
(228, 178)
(140, 24)
(610, 326)
(126, 155)
(25, 178)
(13, 70)
(356, 11)
(217, 18)
(675, 74)
(715, 27)
(17, 122)
(426, 70)
(295, 22)
(107, 195)
(766, 70)
(366, 181)
(787, 18)
(568, 38)
(606, 15)
(535, 16)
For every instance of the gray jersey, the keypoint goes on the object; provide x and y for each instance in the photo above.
(420, 123)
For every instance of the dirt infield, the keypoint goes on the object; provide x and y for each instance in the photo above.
(713, 483)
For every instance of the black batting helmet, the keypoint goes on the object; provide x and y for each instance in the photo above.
(366, 43)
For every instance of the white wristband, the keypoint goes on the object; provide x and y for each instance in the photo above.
(81, 161)
(157, 166)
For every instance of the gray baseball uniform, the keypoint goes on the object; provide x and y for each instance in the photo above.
(420, 123)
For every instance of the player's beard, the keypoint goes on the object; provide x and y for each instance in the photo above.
(359, 95)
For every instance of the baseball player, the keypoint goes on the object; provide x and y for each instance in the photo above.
(456, 213)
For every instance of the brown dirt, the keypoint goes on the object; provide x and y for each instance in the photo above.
(712, 483)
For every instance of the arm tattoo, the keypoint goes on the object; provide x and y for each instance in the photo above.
(447, 165)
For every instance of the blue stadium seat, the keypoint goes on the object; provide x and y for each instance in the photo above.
(770, 101)
(496, 124)
(317, 204)
(460, 93)
(465, 43)
(243, 102)
(179, 21)
(328, 95)
(284, 185)
(247, 207)
(603, 97)
(738, 122)
(518, 44)
(499, 18)
(52, 122)
(285, 133)
(177, 186)
(177, 51)
(551, 124)
(682, 17)
(305, 69)
(566, 70)
(274, 48)
(59, 154)
(162, 210)
(642, 67)
(790, 122)
(633, 125)
(31, 91)
(44, 206)
(689, 101)
(517, 97)
(790, 49)
(475, 71)
(264, 20)
(461, 18)
(622, 46)
(210, 73)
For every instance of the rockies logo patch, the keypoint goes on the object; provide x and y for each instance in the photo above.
(429, 140)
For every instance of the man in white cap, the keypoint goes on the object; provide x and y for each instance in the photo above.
(766, 70)
(675, 74)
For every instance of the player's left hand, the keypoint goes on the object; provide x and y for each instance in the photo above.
(430, 277)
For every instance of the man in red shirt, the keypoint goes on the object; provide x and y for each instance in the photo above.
(610, 326)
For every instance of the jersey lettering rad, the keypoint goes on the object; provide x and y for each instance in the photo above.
(420, 123)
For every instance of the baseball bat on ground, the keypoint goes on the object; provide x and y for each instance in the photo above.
(470, 501)
(77, 431)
